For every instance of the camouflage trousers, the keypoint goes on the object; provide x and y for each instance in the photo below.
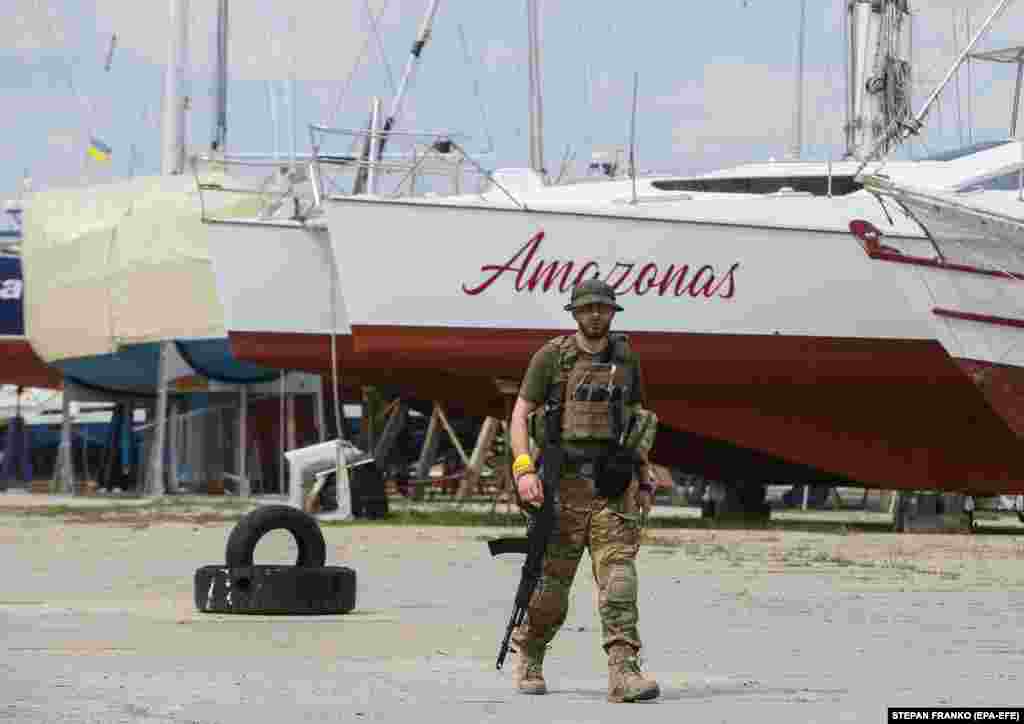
(609, 529)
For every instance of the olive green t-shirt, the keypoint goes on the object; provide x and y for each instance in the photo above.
(543, 369)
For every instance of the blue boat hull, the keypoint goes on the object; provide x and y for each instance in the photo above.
(134, 369)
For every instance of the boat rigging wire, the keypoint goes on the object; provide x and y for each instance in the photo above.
(899, 131)
(885, 210)
(476, 91)
(341, 463)
(380, 47)
(970, 81)
(69, 74)
(347, 85)
(959, 104)
(488, 175)
(567, 158)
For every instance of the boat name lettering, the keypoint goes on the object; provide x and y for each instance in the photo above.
(531, 274)
(11, 288)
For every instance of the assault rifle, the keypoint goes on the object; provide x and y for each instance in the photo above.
(539, 529)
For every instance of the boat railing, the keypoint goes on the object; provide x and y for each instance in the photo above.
(394, 163)
(254, 186)
(291, 186)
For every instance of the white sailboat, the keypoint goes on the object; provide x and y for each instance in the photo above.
(971, 270)
(279, 251)
(762, 320)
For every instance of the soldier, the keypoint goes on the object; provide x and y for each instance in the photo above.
(600, 499)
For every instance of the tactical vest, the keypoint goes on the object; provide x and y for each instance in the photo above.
(593, 408)
(595, 399)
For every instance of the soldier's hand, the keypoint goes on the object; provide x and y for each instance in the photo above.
(645, 497)
(644, 500)
(530, 489)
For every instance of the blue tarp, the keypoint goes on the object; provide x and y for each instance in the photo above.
(134, 368)
(17, 464)
(213, 359)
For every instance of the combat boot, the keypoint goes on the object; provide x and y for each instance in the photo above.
(625, 682)
(529, 668)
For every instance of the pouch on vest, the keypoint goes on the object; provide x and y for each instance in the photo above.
(641, 431)
(593, 394)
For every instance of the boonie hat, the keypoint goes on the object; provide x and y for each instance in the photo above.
(592, 291)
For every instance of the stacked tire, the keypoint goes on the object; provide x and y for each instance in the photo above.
(307, 588)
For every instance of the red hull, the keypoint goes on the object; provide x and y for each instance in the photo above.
(19, 365)
(897, 414)
(1003, 387)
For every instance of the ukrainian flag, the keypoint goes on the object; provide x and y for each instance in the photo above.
(99, 150)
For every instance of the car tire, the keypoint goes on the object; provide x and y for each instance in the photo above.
(253, 526)
(274, 590)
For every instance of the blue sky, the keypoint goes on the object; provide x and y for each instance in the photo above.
(717, 86)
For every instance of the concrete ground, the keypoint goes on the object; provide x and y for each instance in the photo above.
(98, 625)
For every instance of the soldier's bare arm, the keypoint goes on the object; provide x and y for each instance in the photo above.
(528, 484)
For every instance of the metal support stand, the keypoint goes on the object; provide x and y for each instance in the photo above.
(930, 512)
(740, 500)
(244, 485)
(371, 406)
(155, 480)
(65, 466)
(320, 408)
(173, 484)
(289, 404)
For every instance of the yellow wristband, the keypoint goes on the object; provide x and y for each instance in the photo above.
(521, 464)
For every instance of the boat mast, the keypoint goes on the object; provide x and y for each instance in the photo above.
(902, 127)
(172, 159)
(536, 106)
(878, 68)
(220, 123)
(399, 102)
(798, 123)
(293, 123)
(410, 68)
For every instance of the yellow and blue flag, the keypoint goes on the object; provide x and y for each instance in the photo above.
(99, 150)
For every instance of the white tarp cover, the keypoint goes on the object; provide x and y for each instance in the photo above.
(120, 263)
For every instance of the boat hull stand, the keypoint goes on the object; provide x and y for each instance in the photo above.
(740, 501)
(930, 512)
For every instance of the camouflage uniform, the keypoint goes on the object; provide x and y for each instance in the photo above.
(595, 392)
(610, 532)
(608, 529)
